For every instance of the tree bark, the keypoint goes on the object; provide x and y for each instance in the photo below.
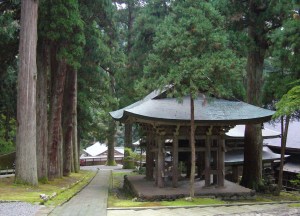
(26, 166)
(150, 156)
(284, 133)
(128, 136)
(68, 112)
(58, 79)
(252, 169)
(75, 134)
(60, 157)
(193, 151)
(255, 62)
(41, 109)
(130, 6)
(111, 143)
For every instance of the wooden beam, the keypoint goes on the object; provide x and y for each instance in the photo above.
(186, 149)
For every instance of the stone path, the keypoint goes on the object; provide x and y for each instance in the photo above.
(92, 200)
(244, 210)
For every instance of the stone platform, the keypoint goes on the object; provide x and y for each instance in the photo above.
(146, 190)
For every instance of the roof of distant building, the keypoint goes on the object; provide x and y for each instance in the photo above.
(293, 138)
(237, 156)
(239, 131)
(97, 149)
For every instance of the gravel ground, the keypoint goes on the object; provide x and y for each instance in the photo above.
(18, 209)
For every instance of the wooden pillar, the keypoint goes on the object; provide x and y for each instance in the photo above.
(160, 162)
(235, 173)
(221, 158)
(149, 156)
(156, 161)
(200, 164)
(175, 161)
(207, 159)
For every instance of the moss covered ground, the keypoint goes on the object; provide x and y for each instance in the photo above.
(63, 188)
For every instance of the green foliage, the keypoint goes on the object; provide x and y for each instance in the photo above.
(296, 182)
(137, 24)
(277, 83)
(289, 103)
(129, 159)
(287, 45)
(7, 134)
(284, 61)
(7, 161)
(8, 72)
(60, 23)
(191, 51)
(102, 59)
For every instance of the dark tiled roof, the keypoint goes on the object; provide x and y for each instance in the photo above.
(208, 110)
(293, 139)
(235, 157)
(291, 167)
(239, 132)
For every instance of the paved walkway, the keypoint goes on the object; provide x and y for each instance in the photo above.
(92, 200)
(244, 210)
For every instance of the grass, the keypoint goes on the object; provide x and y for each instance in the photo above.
(295, 205)
(64, 187)
(113, 201)
(284, 196)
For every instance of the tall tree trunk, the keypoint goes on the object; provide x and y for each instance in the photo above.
(252, 170)
(60, 158)
(253, 136)
(127, 144)
(72, 155)
(68, 112)
(284, 133)
(111, 143)
(130, 5)
(193, 150)
(128, 136)
(26, 167)
(58, 79)
(75, 142)
(255, 62)
(111, 132)
(41, 112)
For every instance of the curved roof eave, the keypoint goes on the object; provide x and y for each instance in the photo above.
(141, 118)
(212, 110)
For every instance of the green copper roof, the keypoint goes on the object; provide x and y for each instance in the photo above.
(155, 107)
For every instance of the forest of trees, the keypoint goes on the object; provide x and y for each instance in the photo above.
(66, 64)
